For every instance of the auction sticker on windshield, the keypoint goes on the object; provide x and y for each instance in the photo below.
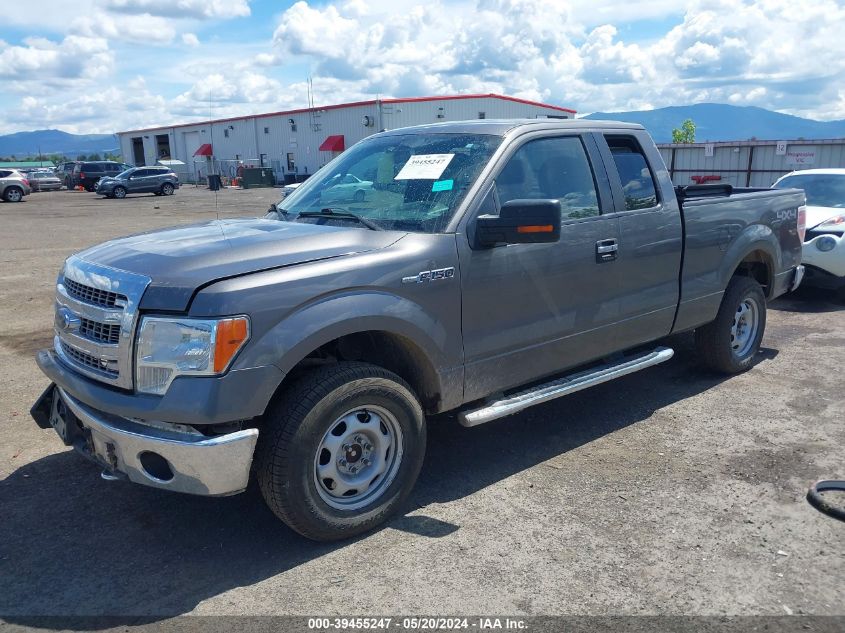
(425, 167)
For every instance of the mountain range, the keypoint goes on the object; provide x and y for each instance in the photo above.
(722, 122)
(21, 144)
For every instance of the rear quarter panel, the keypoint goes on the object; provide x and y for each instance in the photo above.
(721, 232)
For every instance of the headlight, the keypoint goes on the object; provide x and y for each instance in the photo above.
(836, 223)
(168, 348)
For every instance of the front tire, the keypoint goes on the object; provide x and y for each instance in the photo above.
(167, 189)
(119, 193)
(730, 342)
(341, 450)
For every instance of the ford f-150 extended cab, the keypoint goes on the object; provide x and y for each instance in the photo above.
(487, 266)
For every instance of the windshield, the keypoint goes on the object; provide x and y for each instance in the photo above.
(124, 174)
(823, 190)
(409, 182)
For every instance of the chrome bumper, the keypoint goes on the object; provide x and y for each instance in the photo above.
(194, 463)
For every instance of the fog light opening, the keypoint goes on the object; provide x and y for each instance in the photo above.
(826, 243)
(155, 466)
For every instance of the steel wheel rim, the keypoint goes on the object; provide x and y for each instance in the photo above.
(358, 457)
(746, 322)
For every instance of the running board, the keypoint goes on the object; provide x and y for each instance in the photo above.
(562, 387)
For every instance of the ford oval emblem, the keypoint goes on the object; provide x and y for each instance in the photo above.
(67, 320)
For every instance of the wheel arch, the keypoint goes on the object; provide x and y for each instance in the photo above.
(755, 254)
(395, 352)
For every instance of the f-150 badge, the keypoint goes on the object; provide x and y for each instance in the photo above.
(430, 275)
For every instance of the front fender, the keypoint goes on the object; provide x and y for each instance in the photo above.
(318, 323)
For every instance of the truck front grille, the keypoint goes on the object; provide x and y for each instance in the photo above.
(92, 295)
(86, 360)
(96, 317)
(102, 332)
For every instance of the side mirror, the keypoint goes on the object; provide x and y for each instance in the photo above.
(272, 208)
(520, 222)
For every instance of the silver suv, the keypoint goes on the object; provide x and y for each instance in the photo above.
(160, 181)
(13, 185)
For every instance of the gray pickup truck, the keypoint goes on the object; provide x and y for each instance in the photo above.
(480, 267)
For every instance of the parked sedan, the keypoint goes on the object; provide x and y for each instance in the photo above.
(44, 180)
(346, 187)
(13, 185)
(160, 181)
(824, 242)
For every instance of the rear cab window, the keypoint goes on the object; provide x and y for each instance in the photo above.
(635, 175)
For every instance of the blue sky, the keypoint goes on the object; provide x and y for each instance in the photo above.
(107, 65)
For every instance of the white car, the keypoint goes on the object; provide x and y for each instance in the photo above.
(345, 187)
(824, 244)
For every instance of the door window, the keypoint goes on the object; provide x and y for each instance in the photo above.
(634, 173)
(551, 168)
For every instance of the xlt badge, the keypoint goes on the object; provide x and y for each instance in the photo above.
(430, 275)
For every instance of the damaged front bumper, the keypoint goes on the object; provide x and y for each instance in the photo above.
(168, 456)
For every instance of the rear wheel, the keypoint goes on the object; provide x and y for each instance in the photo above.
(119, 192)
(729, 343)
(13, 194)
(167, 189)
(341, 450)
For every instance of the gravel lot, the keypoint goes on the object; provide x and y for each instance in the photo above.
(671, 491)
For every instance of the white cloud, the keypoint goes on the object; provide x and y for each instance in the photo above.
(200, 9)
(47, 61)
(237, 86)
(137, 29)
(590, 55)
(90, 111)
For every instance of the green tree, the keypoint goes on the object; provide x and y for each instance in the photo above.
(94, 156)
(684, 134)
(115, 157)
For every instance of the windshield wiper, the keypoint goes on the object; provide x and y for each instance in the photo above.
(340, 213)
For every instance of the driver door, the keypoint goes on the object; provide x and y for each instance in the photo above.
(531, 310)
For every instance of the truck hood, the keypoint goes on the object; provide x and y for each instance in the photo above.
(180, 260)
(817, 215)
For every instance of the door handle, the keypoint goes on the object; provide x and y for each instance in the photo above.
(606, 250)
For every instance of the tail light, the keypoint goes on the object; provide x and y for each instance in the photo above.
(82, 174)
(802, 221)
(26, 182)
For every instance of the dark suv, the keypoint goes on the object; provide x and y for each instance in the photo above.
(158, 180)
(89, 172)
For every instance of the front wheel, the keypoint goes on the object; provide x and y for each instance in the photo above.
(119, 193)
(167, 189)
(341, 450)
(729, 343)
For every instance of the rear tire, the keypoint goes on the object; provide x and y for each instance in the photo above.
(349, 427)
(730, 342)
